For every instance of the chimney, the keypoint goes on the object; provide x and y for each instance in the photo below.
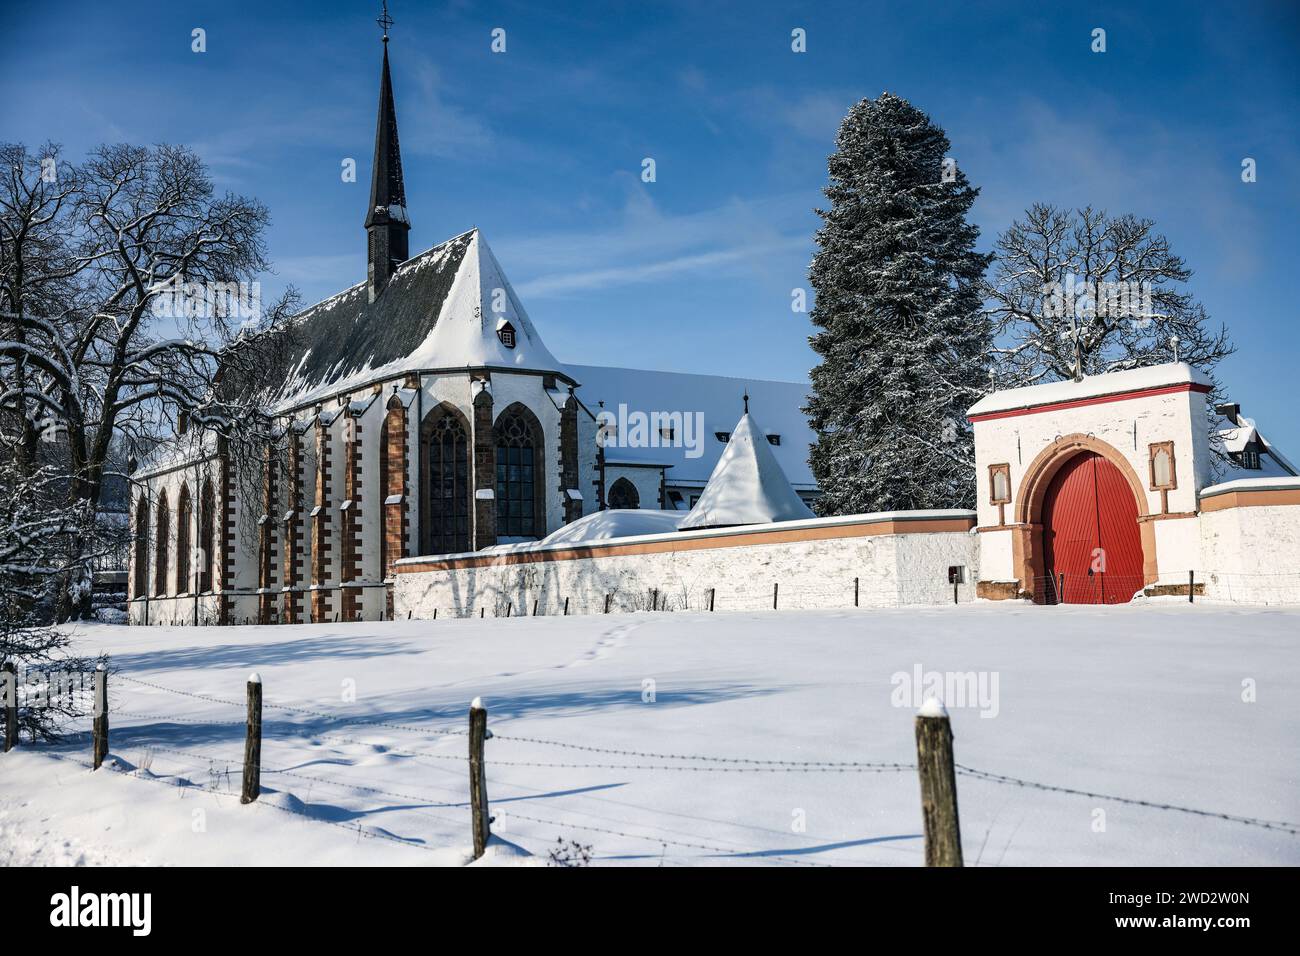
(1231, 411)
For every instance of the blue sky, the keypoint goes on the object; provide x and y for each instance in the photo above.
(542, 146)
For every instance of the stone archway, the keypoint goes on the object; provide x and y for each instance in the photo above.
(1027, 544)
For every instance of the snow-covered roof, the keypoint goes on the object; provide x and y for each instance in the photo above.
(441, 309)
(615, 523)
(1092, 386)
(196, 445)
(1236, 434)
(747, 485)
(718, 398)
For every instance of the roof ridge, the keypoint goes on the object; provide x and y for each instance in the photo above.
(357, 285)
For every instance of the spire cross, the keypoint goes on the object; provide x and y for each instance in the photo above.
(746, 397)
(385, 21)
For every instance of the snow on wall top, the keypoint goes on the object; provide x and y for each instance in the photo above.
(440, 309)
(1092, 386)
(718, 398)
(1258, 483)
(747, 485)
(874, 517)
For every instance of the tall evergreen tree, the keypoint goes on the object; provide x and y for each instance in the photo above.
(903, 342)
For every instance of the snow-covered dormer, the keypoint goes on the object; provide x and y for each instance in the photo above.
(747, 485)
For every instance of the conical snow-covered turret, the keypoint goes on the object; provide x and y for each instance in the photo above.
(747, 485)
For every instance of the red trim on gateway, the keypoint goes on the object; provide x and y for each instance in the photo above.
(1093, 400)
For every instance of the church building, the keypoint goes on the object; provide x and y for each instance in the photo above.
(424, 416)
(431, 454)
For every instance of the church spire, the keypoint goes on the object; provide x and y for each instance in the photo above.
(386, 221)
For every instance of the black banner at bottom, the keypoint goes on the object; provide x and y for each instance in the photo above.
(336, 904)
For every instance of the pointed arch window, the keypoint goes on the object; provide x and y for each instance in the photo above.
(160, 557)
(141, 570)
(623, 494)
(445, 488)
(207, 534)
(184, 516)
(520, 475)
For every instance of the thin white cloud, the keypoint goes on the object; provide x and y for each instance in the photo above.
(551, 285)
(646, 244)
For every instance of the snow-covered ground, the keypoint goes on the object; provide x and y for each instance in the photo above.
(654, 739)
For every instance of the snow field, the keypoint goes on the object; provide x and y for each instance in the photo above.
(688, 738)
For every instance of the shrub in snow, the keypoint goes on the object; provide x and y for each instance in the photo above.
(568, 853)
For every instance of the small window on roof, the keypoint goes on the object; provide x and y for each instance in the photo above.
(507, 335)
(774, 439)
(723, 437)
(1250, 457)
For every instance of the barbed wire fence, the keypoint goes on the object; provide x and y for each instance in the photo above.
(875, 591)
(446, 804)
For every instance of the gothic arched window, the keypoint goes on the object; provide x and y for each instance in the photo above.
(445, 503)
(141, 587)
(184, 516)
(520, 475)
(160, 547)
(623, 494)
(207, 531)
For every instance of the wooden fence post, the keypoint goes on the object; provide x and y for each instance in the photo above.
(510, 606)
(253, 742)
(775, 589)
(855, 592)
(99, 726)
(10, 692)
(1191, 587)
(435, 614)
(478, 799)
(712, 593)
(566, 607)
(938, 785)
(607, 597)
(1060, 590)
(535, 600)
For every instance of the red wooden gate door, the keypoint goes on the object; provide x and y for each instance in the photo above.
(1090, 533)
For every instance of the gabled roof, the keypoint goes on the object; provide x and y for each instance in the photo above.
(437, 312)
(1235, 435)
(716, 398)
(747, 485)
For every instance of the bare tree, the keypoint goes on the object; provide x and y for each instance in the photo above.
(1078, 292)
(37, 279)
(156, 321)
(36, 529)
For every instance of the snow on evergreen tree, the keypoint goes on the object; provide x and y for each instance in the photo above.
(903, 342)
